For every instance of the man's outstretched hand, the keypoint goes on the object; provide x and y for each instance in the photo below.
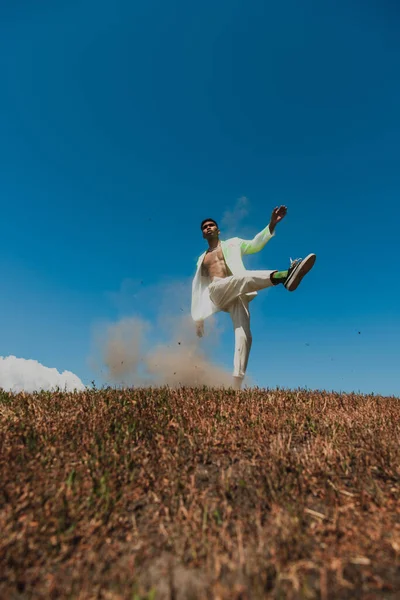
(200, 328)
(277, 215)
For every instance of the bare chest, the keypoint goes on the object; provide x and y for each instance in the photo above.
(211, 258)
(214, 264)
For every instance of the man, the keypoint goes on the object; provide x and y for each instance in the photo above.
(222, 283)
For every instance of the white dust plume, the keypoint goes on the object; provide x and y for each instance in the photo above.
(232, 218)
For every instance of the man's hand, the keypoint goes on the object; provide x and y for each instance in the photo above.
(277, 215)
(200, 329)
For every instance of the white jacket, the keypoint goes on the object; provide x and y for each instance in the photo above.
(233, 250)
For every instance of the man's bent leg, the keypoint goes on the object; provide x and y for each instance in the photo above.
(240, 315)
(224, 291)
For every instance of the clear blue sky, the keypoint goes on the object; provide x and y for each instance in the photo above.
(123, 124)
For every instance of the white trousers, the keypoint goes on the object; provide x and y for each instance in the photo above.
(228, 295)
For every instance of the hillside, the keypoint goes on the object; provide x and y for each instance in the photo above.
(199, 494)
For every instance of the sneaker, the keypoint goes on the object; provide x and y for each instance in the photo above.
(298, 268)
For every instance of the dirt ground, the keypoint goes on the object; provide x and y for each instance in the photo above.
(199, 494)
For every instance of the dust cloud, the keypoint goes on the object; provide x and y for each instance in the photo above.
(132, 353)
(233, 217)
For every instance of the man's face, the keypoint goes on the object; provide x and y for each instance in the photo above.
(210, 230)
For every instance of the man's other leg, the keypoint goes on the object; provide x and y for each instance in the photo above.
(240, 315)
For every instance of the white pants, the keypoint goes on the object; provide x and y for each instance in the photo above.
(228, 294)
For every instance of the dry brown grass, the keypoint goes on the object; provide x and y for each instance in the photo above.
(199, 494)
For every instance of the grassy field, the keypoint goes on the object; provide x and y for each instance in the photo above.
(189, 494)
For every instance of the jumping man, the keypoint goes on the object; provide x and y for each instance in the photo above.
(222, 283)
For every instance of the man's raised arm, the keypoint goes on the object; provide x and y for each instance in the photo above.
(259, 241)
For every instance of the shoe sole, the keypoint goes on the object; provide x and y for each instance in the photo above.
(304, 267)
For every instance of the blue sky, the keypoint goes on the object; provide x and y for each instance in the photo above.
(123, 124)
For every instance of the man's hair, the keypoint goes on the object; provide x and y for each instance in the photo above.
(205, 221)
